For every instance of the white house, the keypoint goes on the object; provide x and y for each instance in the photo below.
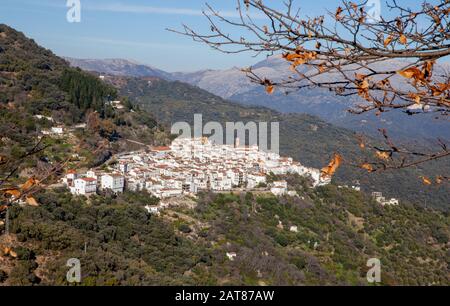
(44, 117)
(69, 179)
(84, 186)
(378, 196)
(392, 201)
(254, 179)
(279, 188)
(294, 229)
(114, 182)
(58, 130)
(231, 255)
(154, 210)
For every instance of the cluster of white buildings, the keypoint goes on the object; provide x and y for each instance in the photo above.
(190, 165)
(193, 164)
(88, 183)
(378, 196)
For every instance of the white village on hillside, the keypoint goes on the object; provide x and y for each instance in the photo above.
(191, 165)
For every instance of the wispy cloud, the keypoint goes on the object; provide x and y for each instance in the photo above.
(120, 7)
(145, 9)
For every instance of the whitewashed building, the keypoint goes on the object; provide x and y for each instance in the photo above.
(279, 188)
(114, 182)
(84, 186)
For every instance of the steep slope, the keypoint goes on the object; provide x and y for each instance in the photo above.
(39, 90)
(304, 137)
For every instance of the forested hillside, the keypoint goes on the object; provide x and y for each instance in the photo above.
(118, 243)
(39, 90)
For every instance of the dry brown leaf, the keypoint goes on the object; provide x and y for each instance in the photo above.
(330, 170)
(339, 11)
(382, 155)
(29, 184)
(360, 76)
(367, 167)
(270, 89)
(8, 251)
(426, 180)
(412, 73)
(32, 201)
(403, 40)
(388, 40)
(13, 192)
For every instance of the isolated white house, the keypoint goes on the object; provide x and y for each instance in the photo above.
(114, 182)
(58, 130)
(152, 209)
(378, 196)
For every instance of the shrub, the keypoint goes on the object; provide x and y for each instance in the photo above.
(3, 276)
(184, 228)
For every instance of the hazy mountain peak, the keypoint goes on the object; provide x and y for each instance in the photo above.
(119, 67)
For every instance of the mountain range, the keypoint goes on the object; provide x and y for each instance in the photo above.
(233, 85)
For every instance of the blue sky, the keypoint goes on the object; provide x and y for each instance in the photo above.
(132, 29)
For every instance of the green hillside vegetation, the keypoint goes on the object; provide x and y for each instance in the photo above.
(338, 231)
(33, 81)
(306, 138)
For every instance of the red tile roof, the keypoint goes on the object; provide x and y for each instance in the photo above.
(88, 179)
(161, 149)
